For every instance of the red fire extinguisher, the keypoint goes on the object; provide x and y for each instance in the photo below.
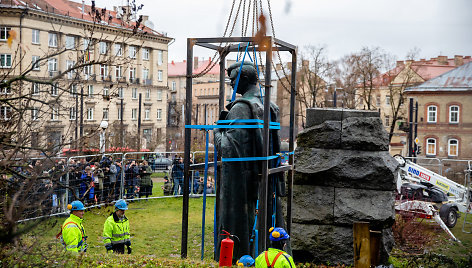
(226, 250)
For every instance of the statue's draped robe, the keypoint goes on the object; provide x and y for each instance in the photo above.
(239, 187)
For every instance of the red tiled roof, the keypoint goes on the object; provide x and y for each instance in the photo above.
(74, 10)
(427, 69)
(180, 68)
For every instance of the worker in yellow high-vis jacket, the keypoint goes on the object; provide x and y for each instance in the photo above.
(73, 233)
(116, 229)
(275, 256)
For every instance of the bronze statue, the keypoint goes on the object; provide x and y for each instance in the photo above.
(239, 187)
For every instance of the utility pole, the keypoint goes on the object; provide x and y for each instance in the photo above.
(76, 120)
(334, 98)
(81, 118)
(410, 132)
(139, 121)
(416, 130)
(122, 135)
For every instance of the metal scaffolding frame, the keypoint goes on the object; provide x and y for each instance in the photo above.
(233, 46)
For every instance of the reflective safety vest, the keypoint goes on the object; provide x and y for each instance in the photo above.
(275, 258)
(73, 234)
(115, 231)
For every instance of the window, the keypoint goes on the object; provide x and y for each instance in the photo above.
(55, 89)
(5, 113)
(34, 113)
(53, 39)
(119, 113)
(86, 44)
(70, 64)
(72, 113)
(90, 113)
(118, 50)
(454, 114)
(378, 101)
(132, 74)
(88, 71)
(35, 37)
(118, 72)
(4, 33)
(431, 146)
(103, 47)
(54, 113)
(105, 113)
(147, 111)
(452, 147)
(387, 120)
(432, 114)
(159, 94)
(159, 57)
(73, 90)
(70, 42)
(145, 53)
(159, 75)
(103, 71)
(35, 89)
(35, 63)
(159, 114)
(132, 52)
(106, 91)
(120, 92)
(148, 93)
(134, 93)
(52, 65)
(5, 60)
(90, 91)
(174, 85)
(134, 113)
(145, 75)
(387, 100)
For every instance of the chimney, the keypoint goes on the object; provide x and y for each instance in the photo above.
(305, 63)
(442, 60)
(458, 60)
(195, 63)
(145, 18)
(172, 62)
(400, 63)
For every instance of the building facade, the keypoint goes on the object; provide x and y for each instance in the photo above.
(445, 114)
(389, 93)
(81, 70)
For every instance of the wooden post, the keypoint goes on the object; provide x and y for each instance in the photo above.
(375, 237)
(361, 242)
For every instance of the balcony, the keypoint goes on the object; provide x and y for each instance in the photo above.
(121, 79)
(147, 82)
(106, 78)
(52, 73)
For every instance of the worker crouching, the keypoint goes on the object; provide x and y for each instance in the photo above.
(116, 229)
(275, 256)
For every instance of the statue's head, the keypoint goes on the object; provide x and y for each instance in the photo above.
(248, 75)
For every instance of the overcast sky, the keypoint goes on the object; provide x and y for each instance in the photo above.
(436, 27)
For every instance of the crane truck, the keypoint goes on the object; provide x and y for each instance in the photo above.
(431, 195)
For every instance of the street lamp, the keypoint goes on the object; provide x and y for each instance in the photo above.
(103, 127)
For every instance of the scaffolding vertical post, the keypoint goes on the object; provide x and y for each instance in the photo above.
(291, 139)
(188, 133)
(265, 149)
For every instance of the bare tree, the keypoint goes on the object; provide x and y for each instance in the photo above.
(31, 106)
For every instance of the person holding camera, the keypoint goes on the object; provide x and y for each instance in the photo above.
(146, 181)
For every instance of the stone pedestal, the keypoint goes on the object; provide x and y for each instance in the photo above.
(343, 174)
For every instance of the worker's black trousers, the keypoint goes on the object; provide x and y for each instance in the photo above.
(119, 248)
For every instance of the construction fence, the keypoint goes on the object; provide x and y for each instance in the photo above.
(101, 179)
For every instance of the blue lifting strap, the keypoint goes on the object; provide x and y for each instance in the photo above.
(204, 193)
(239, 74)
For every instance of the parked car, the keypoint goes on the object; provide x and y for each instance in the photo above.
(159, 162)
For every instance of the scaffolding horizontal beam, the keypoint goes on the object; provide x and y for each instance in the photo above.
(280, 169)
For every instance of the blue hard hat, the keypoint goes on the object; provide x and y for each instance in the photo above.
(246, 261)
(76, 205)
(277, 234)
(121, 204)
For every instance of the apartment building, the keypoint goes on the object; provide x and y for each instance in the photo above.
(389, 89)
(445, 114)
(118, 73)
